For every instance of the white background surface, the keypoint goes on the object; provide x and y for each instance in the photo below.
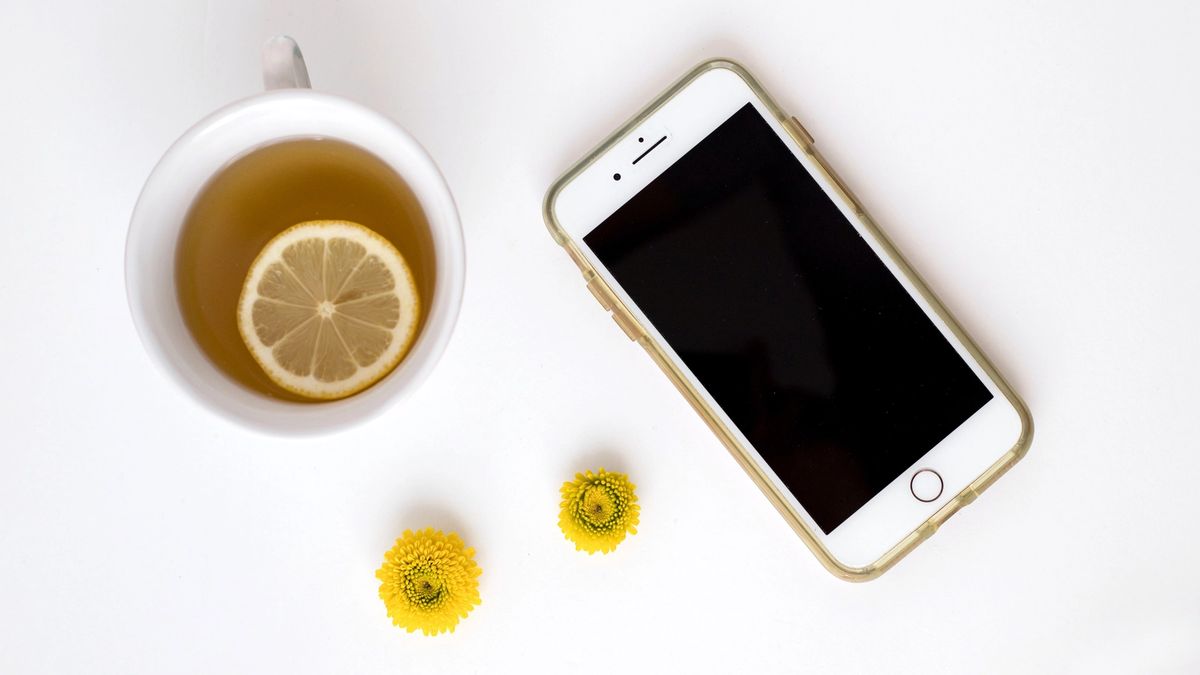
(1037, 163)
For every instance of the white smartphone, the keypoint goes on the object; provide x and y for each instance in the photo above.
(719, 238)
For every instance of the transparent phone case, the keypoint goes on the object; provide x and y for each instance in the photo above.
(636, 332)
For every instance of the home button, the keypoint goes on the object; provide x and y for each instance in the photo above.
(926, 485)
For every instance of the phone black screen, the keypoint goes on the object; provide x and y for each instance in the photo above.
(788, 318)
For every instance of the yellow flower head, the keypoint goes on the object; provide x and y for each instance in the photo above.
(429, 581)
(598, 509)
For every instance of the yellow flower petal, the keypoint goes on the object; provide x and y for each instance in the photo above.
(429, 581)
(598, 510)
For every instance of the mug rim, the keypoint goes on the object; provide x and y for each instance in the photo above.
(173, 184)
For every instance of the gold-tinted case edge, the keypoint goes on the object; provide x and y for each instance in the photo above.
(637, 333)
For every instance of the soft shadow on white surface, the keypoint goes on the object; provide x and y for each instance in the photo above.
(596, 459)
(437, 516)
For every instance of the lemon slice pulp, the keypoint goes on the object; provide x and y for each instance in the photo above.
(328, 308)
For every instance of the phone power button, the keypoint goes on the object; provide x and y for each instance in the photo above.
(805, 138)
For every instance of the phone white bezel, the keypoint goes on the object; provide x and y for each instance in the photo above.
(686, 119)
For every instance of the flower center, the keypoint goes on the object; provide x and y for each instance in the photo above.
(598, 506)
(425, 589)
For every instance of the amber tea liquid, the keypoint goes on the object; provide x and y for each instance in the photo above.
(263, 193)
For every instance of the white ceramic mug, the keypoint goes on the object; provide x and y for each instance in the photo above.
(289, 109)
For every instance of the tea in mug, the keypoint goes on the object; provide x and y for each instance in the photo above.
(303, 269)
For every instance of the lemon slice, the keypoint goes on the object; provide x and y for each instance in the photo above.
(328, 308)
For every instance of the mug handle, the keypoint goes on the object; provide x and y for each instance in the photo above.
(283, 64)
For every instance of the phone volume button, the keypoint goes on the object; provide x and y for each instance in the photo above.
(597, 292)
(627, 325)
